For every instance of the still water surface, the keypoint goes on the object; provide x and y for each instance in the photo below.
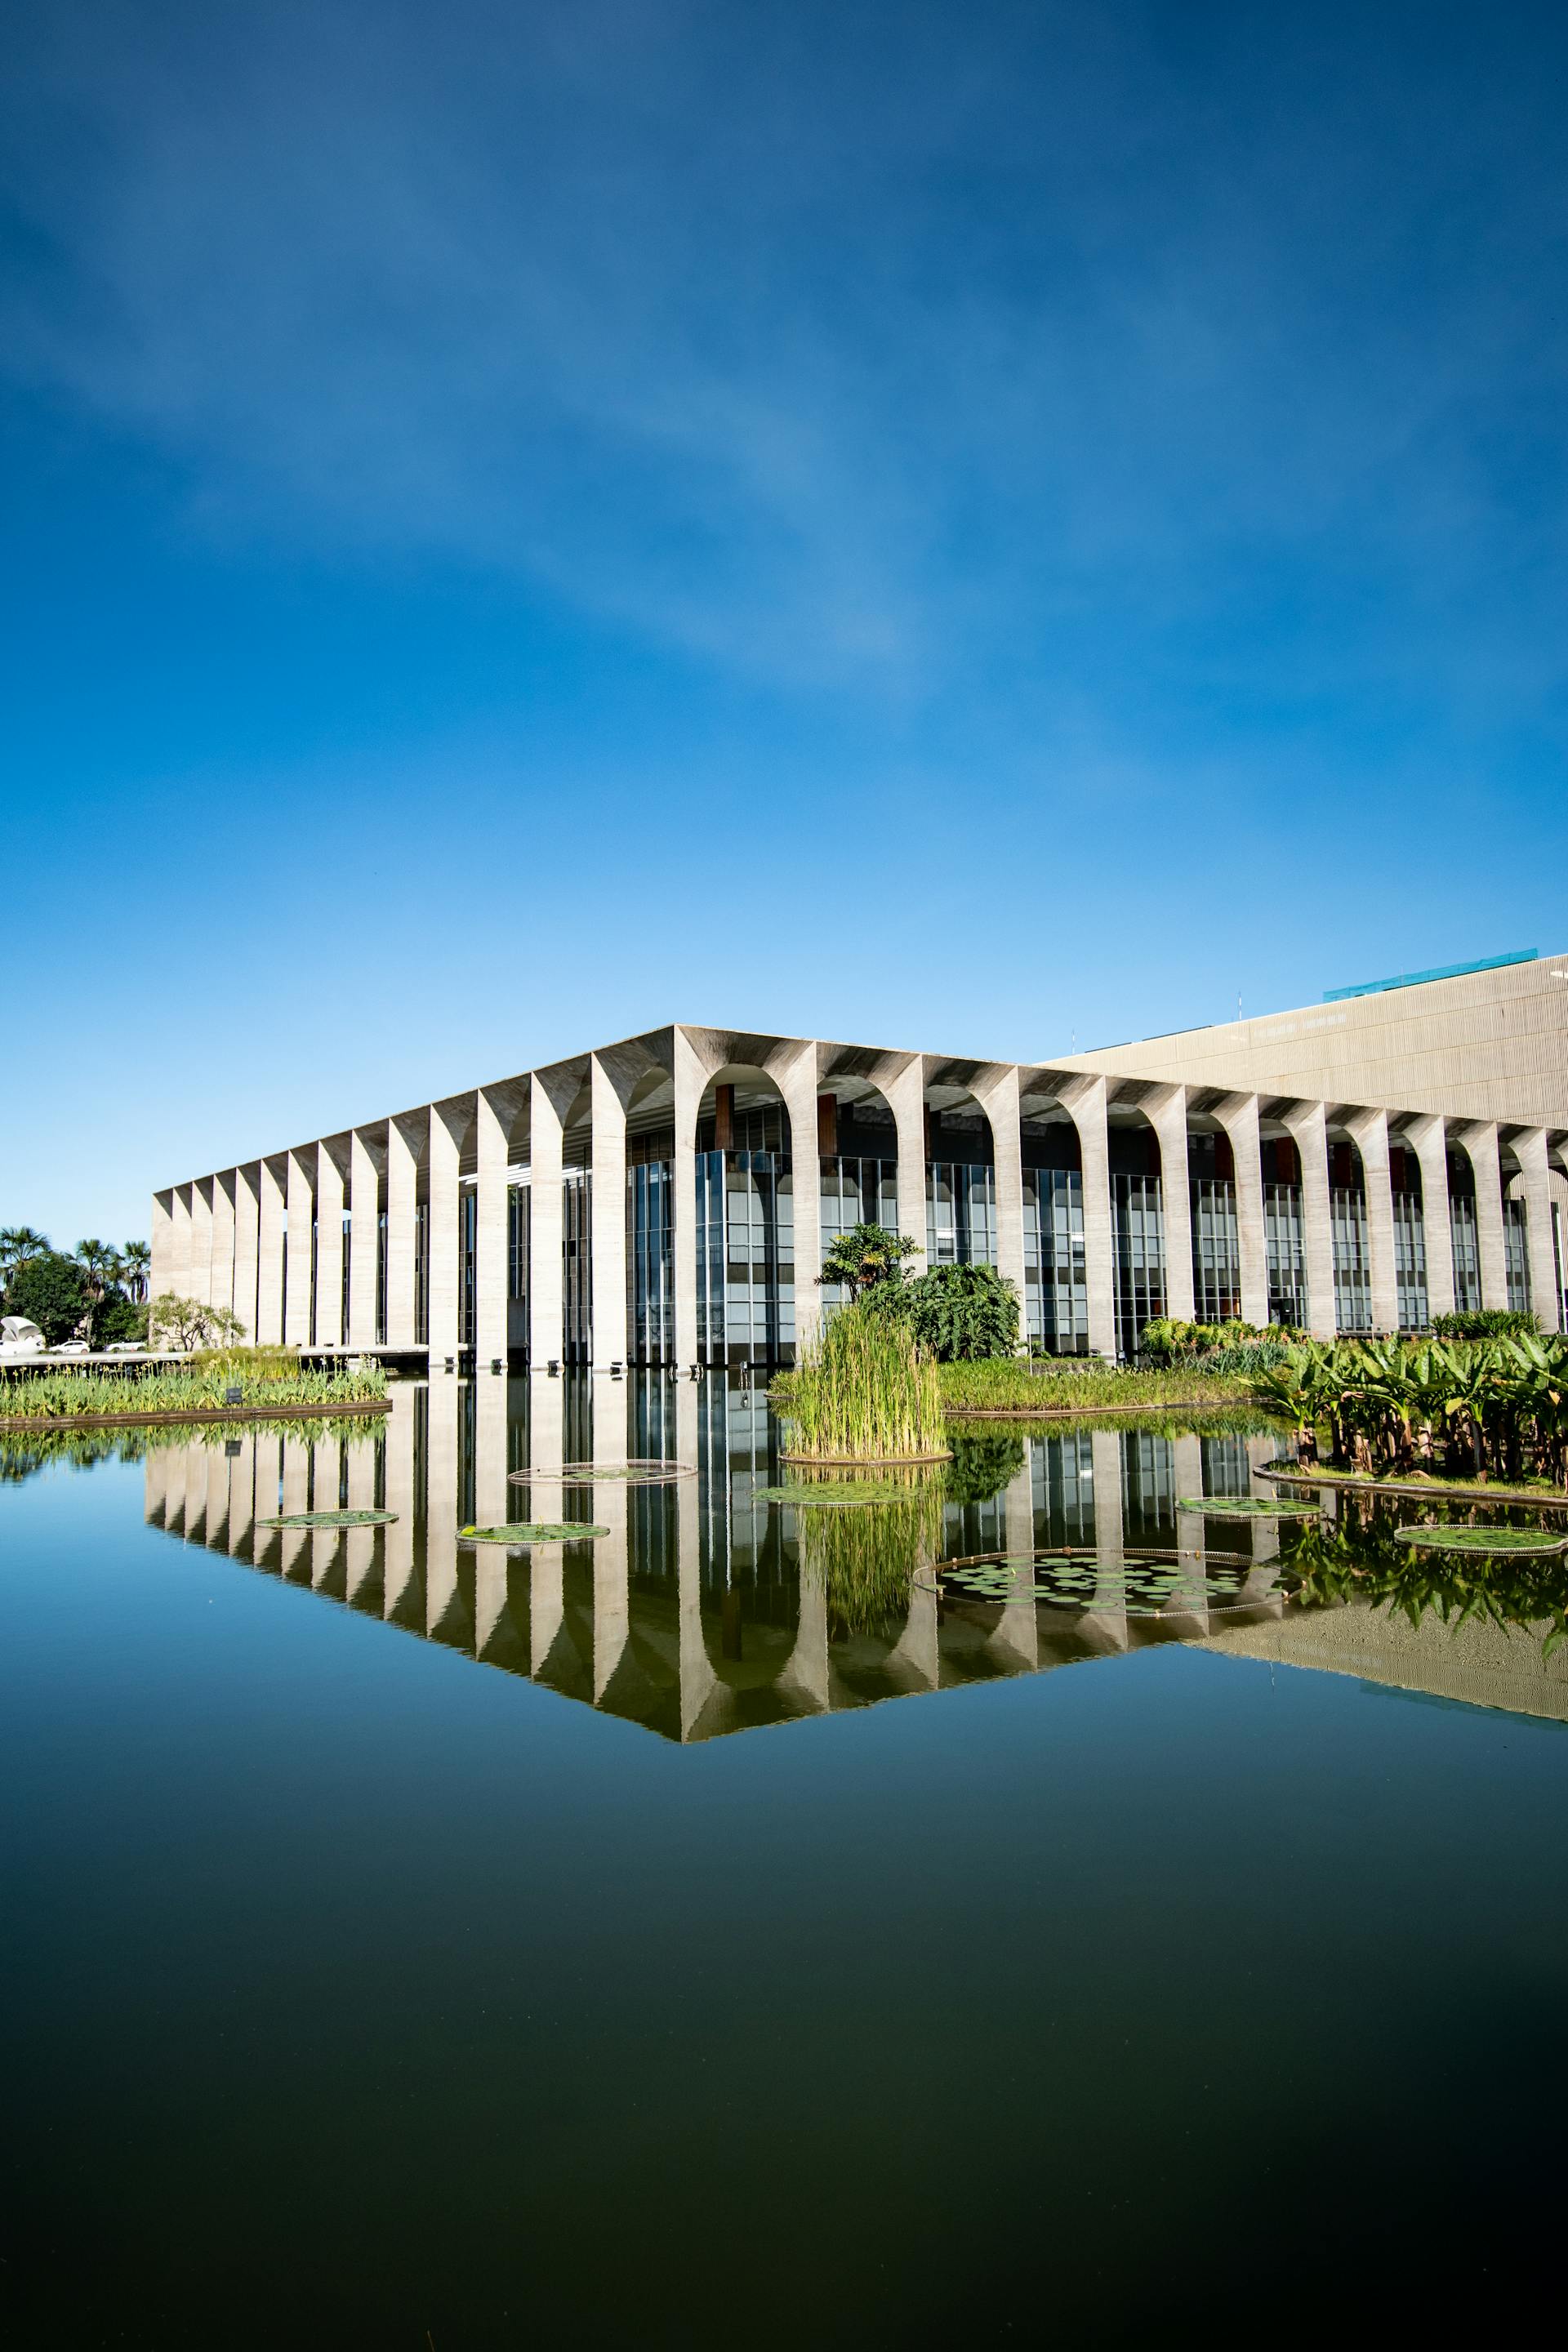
(652, 1940)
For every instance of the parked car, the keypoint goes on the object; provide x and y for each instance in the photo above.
(72, 1348)
(126, 1348)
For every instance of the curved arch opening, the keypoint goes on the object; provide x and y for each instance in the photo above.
(1347, 1226)
(1055, 1273)
(961, 1179)
(1463, 1234)
(858, 1163)
(1137, 1223)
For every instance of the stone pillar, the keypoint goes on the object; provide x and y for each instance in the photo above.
(796, 1075)
(242, 1499)
(1308, 1126)
(546, 1495)
(1166, 1112)
(397, 1553)
(359, 1550)
(328, 1316)
(1108, 1612)
(246, 1237)
(1237, 1114)
(449, 1122)
(997, 1095)
(1427, 1138)
(201, 1275)
(608, 1218)
(906, 1100)
(1530, 1149)
(180, 1249)
(492, 1271)
(1017, 1635)
(1370, 1128)
(269, 1254)
(302, 1207)
(691, 1077)
(492, 1492)
(221, 1292)
(159, 1273)
(441, 1464)
(611, 1503)
(546, 1302)
(1480, 1141)
(402, 1178)
(1084, 1100)
(364, 1241)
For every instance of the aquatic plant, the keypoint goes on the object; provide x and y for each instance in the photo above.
(864, 1391)
(532, 1532)
(1489, 1543)
(1247, 1507)
(333, 1519)
(1492, 1407)
(1326, 1568)
(865, 1561)
(1078, 1385)
(61, 1394)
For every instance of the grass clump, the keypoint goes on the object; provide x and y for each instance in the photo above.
(864, 1391)
(66, 1395)
(1010, 1385)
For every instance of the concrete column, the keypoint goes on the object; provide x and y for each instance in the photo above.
(448, 1123)
(906, 1100)
(201, 1276)
(246, 1242)
(301, 1204)
(546, 1562)
(441, 1466)
(997, 1095)
(1427, 1138)
(1480, 1141)
(364, 1239)
(326, 1485)
(295, 1497)
(180, 1247)
(397, 1554)
(491, 1269)
(1370, 1128)
(269, 1254)
(1237, 1114)
(221, 1292)
(328, 1331)
(159, 1273)
(359, 1550)
(546, 1303)
(1530, 1149)
(608, 1218)
(691, 1077)
(1019, 1634)
(1167, 1115)
(1308, 1126)
(242, 1499)
(1084, 1100)
(492, 1492)
(1107, 1617)
(401, 1174)
(797, 1079)
(612, 1565)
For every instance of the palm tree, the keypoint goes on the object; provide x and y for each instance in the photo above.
(864, 1255)
(17, 1245)
(136, 1262)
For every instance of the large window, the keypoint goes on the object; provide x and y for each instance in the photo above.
(381, 1277)
(855, 1192)
(1466, 1250)
(1353, 1268)
(1217, 1252)
(467, 1237)
(650, 1249)
(576, 1265)
(422, 1273)
(1516, 1256)
(343, 1300)
(1410, 1261)
(1138, 1236)
(960, 1214)
(1287, 1254)
(1055, 1277)
(745, 1256)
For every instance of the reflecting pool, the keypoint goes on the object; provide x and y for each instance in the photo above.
(406, 1944)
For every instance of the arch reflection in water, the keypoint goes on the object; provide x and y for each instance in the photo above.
(706, 1609)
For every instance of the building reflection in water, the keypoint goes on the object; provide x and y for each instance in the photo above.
(695, 1616)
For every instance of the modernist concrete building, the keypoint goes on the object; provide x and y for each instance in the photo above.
(1360, 1165)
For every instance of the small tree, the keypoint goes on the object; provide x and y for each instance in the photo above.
(17, 1245)
(864, 1255)
(186, 1324)
(50, 1291)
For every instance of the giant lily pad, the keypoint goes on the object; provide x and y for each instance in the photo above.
(533, 1531)
(647, 1472)
(1247, 1507)
(332, 1519)
(1516, 1543)
(836, 1494)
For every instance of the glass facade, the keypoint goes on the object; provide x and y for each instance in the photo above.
(745, 1256)
(1516, 1256)
(467, 1290)
(855, 1192)
(1287, 1254)
(577, 1266)
(1467, 1249)
(1056, 1275)
(650, 1256)
(1410, 1263)
(343, 1300)
(517, 1232)
(1138, 1245)
(422, 1273)
(1353, 1267)
(1217, 1252)
(381, 1277)
(960, 1214)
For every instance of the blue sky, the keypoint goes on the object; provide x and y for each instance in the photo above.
(965, 526)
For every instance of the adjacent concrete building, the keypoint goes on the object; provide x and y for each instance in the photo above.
(1357, 1166)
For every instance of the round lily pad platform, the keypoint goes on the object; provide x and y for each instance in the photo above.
(332, 1519)
(1246, 1507)
(532, 1532)
(867, 1462)
(650, 1473)
(1487, 1543)
(836, 1494)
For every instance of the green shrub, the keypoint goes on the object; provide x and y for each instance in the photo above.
(959, 1314)
(50, 1291)
(1485, 1323)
